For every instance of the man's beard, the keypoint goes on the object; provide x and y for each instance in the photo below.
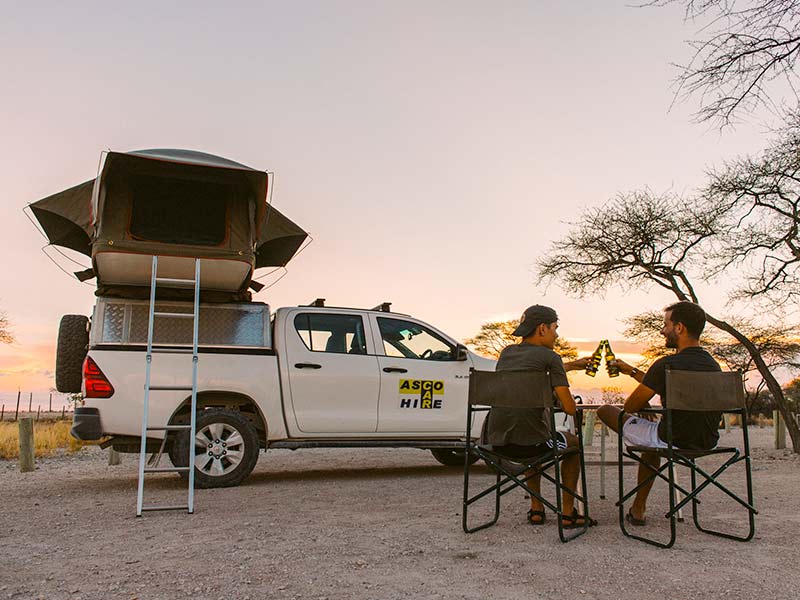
(671, 340)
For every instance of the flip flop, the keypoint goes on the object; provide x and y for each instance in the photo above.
(572, 520)
(634, 521)
(536, 513)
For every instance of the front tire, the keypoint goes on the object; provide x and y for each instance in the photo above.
(225, 449)
(451, 458)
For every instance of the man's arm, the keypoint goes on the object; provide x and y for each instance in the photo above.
(638, 399)
(629, 370)
(565, 398)
(579, 364)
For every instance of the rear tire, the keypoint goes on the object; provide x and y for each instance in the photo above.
(225, 449)
(73, 344)
(451, 458)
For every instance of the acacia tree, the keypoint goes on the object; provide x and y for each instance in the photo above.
(748, 47)
(494, 336)
(642, 239)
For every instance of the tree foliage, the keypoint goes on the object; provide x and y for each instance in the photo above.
(6, 335)
(758, 199)
(749, 47)
(494, 336)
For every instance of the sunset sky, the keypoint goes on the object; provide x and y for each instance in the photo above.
(433, 150)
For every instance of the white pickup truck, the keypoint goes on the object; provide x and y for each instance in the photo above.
(307, 377)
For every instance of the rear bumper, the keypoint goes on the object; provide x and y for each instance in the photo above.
(86, 424)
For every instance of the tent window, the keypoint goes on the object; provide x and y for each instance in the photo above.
(178, 211)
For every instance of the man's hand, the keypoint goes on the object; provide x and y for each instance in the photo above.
(579, 364)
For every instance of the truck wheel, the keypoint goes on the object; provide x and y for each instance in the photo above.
(73, 344)
(225, 449)
(451, 458)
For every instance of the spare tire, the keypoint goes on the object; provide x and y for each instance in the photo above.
(73, 344)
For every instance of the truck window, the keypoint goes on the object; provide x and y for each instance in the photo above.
(341, 334)
(404, 339)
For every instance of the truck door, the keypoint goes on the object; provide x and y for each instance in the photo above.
(333, 372)
(423, 388)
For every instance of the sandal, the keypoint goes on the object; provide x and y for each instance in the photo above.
(572, 521)
(538, 515)
(634, 521)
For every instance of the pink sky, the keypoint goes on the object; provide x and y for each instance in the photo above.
(432, 150)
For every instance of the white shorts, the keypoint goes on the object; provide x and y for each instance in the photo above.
(641, 432)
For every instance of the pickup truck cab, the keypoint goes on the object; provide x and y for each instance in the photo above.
(309, 376)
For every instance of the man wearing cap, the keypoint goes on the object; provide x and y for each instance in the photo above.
(522, 433)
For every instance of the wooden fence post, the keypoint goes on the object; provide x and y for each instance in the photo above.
(50, 409)
(780, 430)
(2, 412)
(26, 462)
(30, 402)
(38, 411)
(63, 408)
(16, 415)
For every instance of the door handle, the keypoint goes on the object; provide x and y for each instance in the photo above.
(307, 366)
(394, 370)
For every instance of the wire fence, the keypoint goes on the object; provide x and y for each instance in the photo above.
(39, 405)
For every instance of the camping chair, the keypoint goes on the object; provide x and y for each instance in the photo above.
(517, 389)
(695, 391)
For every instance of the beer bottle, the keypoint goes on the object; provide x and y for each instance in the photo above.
(595, 360)
(613, 369)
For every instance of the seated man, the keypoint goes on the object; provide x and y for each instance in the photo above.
(683, 324)
(523, 433)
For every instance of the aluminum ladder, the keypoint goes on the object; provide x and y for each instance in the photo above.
(152, 467)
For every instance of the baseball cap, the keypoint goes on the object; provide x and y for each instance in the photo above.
(533, 317)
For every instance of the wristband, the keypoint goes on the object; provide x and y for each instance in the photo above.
(634, 372)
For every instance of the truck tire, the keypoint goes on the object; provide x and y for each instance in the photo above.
(225, 450)
(451, 458)
(73, 344)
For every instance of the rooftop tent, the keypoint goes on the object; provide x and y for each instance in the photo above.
(177, 204)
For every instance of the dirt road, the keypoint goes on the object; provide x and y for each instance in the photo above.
(367, 524)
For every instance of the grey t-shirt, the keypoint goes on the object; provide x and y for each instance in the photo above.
(525, 426)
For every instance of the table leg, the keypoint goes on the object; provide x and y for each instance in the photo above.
(603, 433)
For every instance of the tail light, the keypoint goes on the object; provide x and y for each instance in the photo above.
(96, 383)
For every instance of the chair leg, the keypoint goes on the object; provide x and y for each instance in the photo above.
(750, 511)
(622, 495)
(467, 502)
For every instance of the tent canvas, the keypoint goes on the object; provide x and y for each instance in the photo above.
(178, 204)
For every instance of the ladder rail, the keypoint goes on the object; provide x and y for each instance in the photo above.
(152, 315)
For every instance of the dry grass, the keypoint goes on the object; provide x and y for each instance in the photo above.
(48, 436)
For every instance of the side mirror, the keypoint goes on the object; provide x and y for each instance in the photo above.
(461, 352)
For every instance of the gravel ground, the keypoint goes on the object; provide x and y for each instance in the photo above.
(369, 524)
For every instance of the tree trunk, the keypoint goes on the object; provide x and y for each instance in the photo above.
(772, 384)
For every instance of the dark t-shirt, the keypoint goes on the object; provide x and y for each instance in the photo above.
(525, 426)
(690, 430)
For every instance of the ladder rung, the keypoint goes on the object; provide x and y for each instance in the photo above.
(174, 315)
(170, 388)
(166, 507)
(172, 428)
(166, 469)
(172, 351)
(172, 281)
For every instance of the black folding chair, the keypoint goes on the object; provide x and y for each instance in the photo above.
(518, 389)
(695, 391)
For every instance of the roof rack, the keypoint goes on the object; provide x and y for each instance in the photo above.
(317, 302)
(383, 307)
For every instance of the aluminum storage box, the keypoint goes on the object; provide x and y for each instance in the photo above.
(123, 322)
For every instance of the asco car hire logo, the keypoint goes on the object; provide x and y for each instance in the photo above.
(420, 393)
